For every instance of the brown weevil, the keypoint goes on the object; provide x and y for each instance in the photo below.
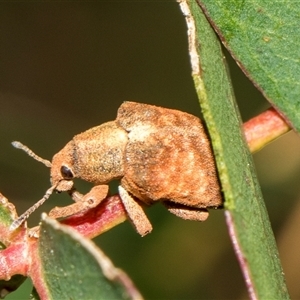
(158, 154)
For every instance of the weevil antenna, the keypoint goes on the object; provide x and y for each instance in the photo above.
(19, 145)
(29, 211)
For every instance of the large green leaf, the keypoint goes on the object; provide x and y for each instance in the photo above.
(74, 268)
(243, 198)
(263, 36)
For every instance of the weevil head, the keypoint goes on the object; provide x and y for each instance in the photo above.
(62, 169)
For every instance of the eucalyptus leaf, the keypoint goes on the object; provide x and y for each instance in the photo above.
(243, 198)
(264, 39)
(74, 268)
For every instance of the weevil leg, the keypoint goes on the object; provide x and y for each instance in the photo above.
(135, 213)
(75, 195)
(34, 232)
(185, 212)
(87, 201)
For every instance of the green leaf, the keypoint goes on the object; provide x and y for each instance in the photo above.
(241, 189)
(264, 38)
(11, 285)
(74, 268)
(7, 214)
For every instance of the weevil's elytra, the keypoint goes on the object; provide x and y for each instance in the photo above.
(158, 154)
(174, 161)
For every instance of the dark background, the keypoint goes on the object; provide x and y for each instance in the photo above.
(65, 67)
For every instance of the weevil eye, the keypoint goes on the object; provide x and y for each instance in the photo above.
(66, 172)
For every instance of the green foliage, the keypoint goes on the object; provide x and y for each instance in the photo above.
(74, 268)
(241, 189)
(264, 38)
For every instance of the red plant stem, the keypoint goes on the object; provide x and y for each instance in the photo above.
(99, 219)
(14, 260)
(264, 128)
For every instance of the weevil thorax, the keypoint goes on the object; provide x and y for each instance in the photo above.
(96, 155)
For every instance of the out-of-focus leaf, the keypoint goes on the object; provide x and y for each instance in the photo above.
(11, 285)
(7, 215)
(34, 295)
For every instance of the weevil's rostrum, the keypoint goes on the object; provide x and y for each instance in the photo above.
(158, 154)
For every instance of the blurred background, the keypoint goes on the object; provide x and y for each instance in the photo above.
(65, 67)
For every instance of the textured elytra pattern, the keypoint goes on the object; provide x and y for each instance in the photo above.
(170, 159)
